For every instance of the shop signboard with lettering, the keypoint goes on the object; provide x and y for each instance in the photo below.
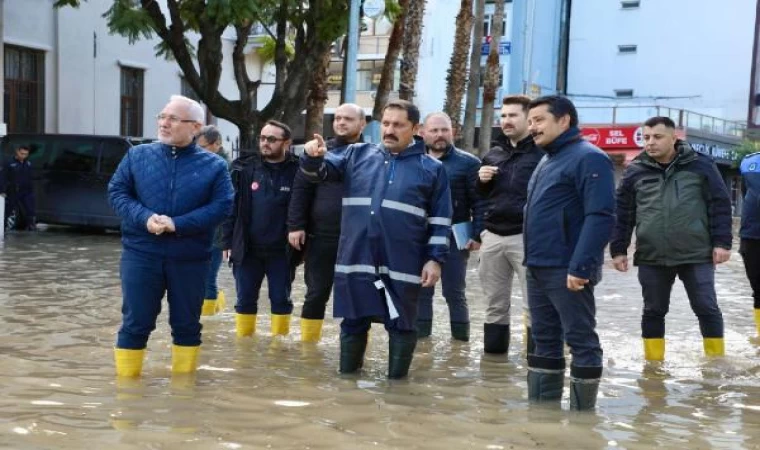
(615, 137)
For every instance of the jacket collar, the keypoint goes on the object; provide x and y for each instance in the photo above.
(570, 135)
(446, 153)
(503, 142)
(415, 148)
(190, 148)
(684, 154)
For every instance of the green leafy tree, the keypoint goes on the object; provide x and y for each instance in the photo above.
(747, 147)
(309, 26)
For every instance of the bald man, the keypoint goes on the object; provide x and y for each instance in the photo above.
(314, 221)
(462, 171)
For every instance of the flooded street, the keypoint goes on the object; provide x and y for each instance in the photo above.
(60, 309)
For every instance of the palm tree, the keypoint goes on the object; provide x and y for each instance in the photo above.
(411, 47)
(457, 75)
(492, 78)
(391, 56)
(473, 86)
(315, 102)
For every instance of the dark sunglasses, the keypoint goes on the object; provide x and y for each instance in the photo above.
(270, 139)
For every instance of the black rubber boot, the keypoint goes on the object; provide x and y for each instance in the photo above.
(584, 385)
(546, 377)
(352, 348)
(545, 386)
(401, 351)
(424, 328)
(495, 338)
(460, 331)
(583, 394)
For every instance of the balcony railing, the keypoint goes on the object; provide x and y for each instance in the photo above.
(683, 118)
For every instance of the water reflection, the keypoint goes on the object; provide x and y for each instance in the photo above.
(59, 311)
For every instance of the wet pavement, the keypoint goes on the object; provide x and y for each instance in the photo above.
(60, 308)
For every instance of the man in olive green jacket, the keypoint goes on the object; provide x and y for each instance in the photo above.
(680, 207)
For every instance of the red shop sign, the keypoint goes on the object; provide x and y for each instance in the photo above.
(625, 137)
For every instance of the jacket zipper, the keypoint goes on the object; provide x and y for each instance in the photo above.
(678, 196)
(539, 171)
(173, 179)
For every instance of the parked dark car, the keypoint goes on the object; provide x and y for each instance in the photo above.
(71, 175)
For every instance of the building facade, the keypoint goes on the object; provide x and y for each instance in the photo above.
(64, 73)
(685, 54)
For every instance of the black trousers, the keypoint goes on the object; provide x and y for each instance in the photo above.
(319, 273)
(750, 251)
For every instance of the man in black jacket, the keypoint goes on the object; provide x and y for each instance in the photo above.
(503, 181)
(256, 233)
(17, 184)
(462, 171)
(314, 221)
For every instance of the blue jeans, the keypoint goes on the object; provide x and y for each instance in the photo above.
(212, 291)
(559, 315)
(453, 275)
(144, 280)
(699, 281)
(250, 275)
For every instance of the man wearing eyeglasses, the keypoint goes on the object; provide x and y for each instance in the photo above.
(170, 195)
(316, 209)
(256, 236)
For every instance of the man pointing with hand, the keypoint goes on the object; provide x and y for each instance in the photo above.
(394, 233)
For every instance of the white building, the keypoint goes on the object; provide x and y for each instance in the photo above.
(64, 73)
(690, 54)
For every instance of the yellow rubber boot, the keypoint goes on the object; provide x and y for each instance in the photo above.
(654, 349)
(221, 302)
(714, 346)
(280, 324)
(245, 324)
(757, 321)
(311, 330)
(209, 307)
(185, 358)
(128, 362)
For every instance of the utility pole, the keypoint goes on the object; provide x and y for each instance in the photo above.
(350, 64)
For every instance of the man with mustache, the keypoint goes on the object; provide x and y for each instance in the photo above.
(314, 222)
(394, 234)
(503, 181)
(256, 235)
(461, 169)
(569, 216)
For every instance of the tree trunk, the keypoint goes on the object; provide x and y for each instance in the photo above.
(315, 102)
(411, 46)
(457, 75)
(492, 79)
(391, 56)
(473, 85)
(247, 139)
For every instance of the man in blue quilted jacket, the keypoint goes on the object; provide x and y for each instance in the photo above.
(170, 195)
